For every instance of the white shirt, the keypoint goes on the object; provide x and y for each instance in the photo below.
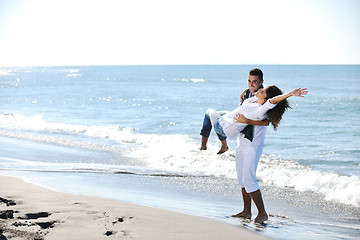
(250, 109)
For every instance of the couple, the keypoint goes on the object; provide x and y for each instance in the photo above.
(259, 107)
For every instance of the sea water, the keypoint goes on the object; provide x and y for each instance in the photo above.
(83, 122)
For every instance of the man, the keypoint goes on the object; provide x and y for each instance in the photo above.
(255, 81)
(248, 152)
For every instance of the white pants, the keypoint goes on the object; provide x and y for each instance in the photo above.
(247, 160)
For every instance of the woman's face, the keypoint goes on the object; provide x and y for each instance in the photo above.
(261, 93)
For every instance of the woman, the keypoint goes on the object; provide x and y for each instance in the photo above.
(268, 103)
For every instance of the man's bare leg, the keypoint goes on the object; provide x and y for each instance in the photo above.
(246, 213)
(224, 147)
(262, 215)
(203, 143)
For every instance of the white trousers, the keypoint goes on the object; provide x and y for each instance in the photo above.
(247, 160)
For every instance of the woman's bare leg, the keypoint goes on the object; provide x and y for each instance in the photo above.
(203, 143)
(224, 147)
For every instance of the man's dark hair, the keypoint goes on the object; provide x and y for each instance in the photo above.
(256, 72)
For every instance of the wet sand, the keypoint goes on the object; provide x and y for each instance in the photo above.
(28, 211)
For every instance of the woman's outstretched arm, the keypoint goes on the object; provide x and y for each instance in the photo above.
(298, 92)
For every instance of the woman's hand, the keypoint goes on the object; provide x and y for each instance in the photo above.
(299, 92)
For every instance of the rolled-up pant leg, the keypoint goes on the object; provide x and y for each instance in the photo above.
(210, 118)
(247, 160)
(207, 126)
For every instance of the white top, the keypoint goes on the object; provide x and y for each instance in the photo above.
(250, 109)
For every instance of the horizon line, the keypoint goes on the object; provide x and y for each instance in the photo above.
(224, 64)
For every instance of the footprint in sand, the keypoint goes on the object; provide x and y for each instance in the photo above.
(45, 225)
(36, 215)
(7, 201)
(118, 220)
(109, 233)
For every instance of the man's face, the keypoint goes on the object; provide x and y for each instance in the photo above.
(254, 83)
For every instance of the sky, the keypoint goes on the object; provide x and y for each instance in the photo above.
(152, 32)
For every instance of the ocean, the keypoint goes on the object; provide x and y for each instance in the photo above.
(132, 133)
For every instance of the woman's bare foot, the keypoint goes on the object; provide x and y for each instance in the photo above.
(222, 150)
(203, 148)
(242, 214)
(261, 218)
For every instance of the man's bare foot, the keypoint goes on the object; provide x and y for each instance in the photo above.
(261, 218)
(203, 148)
(242, 215)
(222, 150)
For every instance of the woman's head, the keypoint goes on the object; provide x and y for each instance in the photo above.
(268, 92)
(272, 91)
(276, 113)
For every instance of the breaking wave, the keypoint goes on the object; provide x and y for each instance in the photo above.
(179, 154)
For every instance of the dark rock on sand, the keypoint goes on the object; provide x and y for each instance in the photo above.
(7, 201)
(7, 214)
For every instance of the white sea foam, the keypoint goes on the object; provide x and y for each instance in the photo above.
(4, 72)
(48, 132)
(289, 173)
(74, 75)
(72, 70)
(193, 80)
(180, 154)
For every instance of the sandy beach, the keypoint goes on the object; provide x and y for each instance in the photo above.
(28, 211)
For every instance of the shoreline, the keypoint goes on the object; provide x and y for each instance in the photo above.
(29, 211)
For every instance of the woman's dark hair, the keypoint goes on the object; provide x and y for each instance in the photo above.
(276, 113)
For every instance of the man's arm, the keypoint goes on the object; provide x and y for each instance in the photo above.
(240, 118)
(242, 95)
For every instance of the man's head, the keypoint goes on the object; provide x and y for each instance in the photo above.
(255, 79)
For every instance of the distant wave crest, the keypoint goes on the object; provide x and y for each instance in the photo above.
(193, 80)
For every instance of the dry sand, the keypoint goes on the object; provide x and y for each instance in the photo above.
(28, 211)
